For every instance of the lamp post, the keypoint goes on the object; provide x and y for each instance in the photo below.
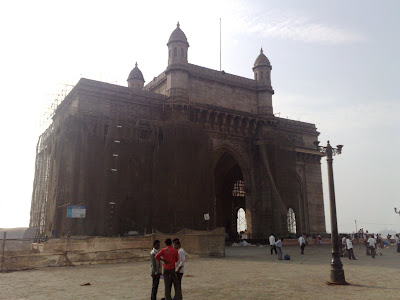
(397, 211)
(337, 272)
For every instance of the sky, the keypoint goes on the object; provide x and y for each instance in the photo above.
(335, 64)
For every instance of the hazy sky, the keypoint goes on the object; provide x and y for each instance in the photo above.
(335, 64)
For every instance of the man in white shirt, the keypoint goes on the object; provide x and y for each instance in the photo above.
(372, 243)
(349, 246)
(155, 269)
(180, 264)
(302, 242)
(343, 253)
(278, 245)
(272, 243)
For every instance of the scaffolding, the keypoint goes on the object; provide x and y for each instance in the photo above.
(42, 165)
(47, 118)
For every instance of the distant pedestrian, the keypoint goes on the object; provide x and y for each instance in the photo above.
(372, 244)
(180, 264)
(155, 269)
(170, 256)
(272, 243)
(319, 239)
(389, 238)
(278, 245)
(302, 242)
(349, 246)
(398, 242)
(343, 246)
(379, 244)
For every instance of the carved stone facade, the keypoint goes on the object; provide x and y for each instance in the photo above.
(161, 156)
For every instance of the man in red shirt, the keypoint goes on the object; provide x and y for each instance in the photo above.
(169, 256)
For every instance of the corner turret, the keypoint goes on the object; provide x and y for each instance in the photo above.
(262, 74)
(177, 70)
(135, 79)
(177, 47)
(262, 70)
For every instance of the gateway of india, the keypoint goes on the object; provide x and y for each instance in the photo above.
(187, 150)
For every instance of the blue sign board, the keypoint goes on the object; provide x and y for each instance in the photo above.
(76, 211)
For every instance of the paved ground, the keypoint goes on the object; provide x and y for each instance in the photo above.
(245, 273)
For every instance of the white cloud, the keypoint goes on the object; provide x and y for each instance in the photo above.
(289, 26)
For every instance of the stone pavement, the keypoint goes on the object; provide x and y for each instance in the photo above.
(245, 273)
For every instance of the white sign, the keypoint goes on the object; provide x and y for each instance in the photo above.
(206, 217)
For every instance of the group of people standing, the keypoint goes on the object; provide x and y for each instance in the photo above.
(372, 244)
(276, 245)
(172, 269)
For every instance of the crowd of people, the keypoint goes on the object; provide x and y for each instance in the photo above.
(373, 244)
(169, 262)
(276, 244)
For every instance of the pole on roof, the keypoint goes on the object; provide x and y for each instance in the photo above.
(220, 44)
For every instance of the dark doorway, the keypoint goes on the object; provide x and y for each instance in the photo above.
(229, 193)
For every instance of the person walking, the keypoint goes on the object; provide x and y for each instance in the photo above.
(398, 242)
(372, 244)
(272, 243)
(388, 237)
(170, 256)
(302, 242)
(278, 245)
(180, 264)
(349, 246)
(343, 246)
(155, 269)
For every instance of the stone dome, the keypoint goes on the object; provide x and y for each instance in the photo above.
(178, 36)
(136, 74)
(262, 60)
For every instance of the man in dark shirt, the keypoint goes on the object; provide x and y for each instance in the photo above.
(170, 256)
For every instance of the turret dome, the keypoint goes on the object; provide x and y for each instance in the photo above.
(136, 74)
(262, 60)
(178, 36)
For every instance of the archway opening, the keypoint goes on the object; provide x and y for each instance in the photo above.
(230, 195)
(291, 221)
(241, 221)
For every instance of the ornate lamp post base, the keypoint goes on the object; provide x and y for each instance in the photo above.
(337, 272)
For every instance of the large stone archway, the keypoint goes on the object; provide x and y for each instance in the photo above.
(232, 185)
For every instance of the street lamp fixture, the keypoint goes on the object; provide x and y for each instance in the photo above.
(337, 272)
(397, 211)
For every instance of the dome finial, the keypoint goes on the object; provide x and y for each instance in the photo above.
(261, 51)
(177, 25)
(136, 64)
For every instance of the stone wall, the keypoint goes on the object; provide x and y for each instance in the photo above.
(217, 94)
(98, 250)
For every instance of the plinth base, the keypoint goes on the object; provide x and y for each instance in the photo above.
(337, 283)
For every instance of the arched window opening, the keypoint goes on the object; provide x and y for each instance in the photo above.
(291, 221)
(175, 52)
(255, 76)
(182, 53)
(238, 189)
(262, 75)
(241, 220)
